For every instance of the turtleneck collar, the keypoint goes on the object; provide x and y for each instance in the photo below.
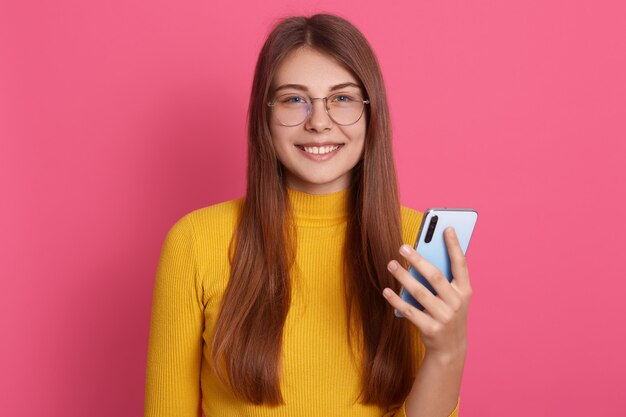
(318, 209)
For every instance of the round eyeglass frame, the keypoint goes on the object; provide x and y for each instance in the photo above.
(309, 111)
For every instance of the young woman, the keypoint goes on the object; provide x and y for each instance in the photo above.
(281, 303)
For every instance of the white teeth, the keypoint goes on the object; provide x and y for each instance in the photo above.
(320, 150)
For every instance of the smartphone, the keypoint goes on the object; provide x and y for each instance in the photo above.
(431, 244)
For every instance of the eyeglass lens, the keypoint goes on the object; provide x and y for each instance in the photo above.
(344, 109)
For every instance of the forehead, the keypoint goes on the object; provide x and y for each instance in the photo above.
(313, 69)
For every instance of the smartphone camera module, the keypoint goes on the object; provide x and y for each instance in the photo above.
(431, 229)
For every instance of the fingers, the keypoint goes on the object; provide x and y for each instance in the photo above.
(433, 304)
(417, 317)
(432, 274)
(458, 263)
(443, 321)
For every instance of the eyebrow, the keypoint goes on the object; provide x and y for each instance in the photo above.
(305, 88)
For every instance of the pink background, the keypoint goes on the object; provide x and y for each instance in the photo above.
(118, 117)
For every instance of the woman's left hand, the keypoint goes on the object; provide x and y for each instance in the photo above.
(443, 323)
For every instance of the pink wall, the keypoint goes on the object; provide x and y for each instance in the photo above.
(118, 117)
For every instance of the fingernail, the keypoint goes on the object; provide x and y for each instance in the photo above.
(405, 249)
(387, 293)
(392, 266)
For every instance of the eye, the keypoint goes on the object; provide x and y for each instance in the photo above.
(345, 98)
(291, 99)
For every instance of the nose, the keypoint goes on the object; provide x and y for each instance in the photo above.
(318, 119)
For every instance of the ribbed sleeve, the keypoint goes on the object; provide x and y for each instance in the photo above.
(175, 344)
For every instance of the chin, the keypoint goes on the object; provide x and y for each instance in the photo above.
(321, 182)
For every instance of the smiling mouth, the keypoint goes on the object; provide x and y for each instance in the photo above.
(320, 150)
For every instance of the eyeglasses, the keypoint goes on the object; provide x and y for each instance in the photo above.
(343, 108)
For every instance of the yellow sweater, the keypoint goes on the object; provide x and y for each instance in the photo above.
(319, 377)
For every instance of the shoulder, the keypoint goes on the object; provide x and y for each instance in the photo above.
(224, 213)
(411, 221)
(214, 222)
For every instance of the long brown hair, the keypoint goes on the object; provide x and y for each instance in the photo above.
(247, 341)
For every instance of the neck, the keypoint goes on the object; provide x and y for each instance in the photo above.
(318, 209)
(339, 184)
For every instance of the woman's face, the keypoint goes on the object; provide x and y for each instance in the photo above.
(306, 150)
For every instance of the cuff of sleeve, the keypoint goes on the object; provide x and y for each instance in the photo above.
(454, 413)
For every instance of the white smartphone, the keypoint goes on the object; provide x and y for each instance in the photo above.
(431, 244)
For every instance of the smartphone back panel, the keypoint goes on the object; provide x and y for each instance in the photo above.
(435, 250)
